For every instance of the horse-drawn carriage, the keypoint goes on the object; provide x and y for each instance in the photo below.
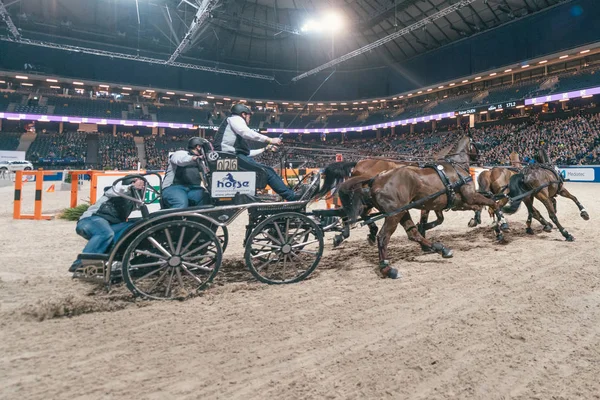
(172, 253)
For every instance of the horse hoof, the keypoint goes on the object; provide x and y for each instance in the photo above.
(393, 273)
(548, 228)
(337, 241)
(371, 241)
(504, 226)
(585, 215)
(447, 253)
(529, 231)
(472, 223)
(500, 237)
(570, 238)
(427, 250)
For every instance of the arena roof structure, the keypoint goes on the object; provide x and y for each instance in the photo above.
(256, 38)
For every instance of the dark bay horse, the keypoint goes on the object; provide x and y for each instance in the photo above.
(495, 181)
(546, 183)
(393, 192)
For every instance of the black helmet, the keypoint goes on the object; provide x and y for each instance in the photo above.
(196, 141)
(129, 179)
(238, 109)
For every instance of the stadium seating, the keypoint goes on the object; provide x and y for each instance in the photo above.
(118, 151)
(9, 140)
(186, 115)
(58, 145)
(83, 107)
(42, 110)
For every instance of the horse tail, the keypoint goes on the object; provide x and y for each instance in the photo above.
(516, 187)
(351, 196)
(334, 174)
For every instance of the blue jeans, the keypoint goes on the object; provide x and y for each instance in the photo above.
(273, 179)
(179, 196)
(100, 235)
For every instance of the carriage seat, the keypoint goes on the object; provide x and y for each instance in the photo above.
(224, 162)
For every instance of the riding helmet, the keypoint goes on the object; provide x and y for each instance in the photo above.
(196, 141)
(129, 179)
(238, 109)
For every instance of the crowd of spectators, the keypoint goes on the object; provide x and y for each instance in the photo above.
(572, 141)
(158, 149)
(118, 151)
(58, 145)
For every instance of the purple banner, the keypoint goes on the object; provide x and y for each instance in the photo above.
(100, 121)
(563, 96)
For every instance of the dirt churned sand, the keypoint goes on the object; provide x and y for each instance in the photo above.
(519, 320)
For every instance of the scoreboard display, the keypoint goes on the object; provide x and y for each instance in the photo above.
(492, 107)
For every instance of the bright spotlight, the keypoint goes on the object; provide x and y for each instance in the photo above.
(310, 25)
(333, 22)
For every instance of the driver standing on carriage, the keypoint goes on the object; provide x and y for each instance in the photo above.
(104, 222)
(232, 137)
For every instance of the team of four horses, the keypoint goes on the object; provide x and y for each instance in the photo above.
(394, 187)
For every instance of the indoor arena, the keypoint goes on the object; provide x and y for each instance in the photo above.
(299, 199)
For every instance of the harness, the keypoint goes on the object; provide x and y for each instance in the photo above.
(450, 187)
(559, 179)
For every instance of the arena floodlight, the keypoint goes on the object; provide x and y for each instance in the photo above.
(508, 70)
(333, 21)
(563, 57)
(543, 62)
(52, 80)
(584, 51)
(417, 25)
(21, 77)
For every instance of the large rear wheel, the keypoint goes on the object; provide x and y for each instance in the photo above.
(172, 260)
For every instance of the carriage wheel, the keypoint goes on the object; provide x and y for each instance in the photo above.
(223, 236)
(172, 260)
(284, 248)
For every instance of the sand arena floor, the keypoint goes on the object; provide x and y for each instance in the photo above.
(519, 320)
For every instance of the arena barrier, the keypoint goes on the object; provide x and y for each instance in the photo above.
(39, 188)
(28, 177)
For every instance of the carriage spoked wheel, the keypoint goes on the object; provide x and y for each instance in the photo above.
(172, 260)
(223, 236)
(284, 248)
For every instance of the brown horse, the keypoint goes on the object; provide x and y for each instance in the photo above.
(546, 183)
(338, 172)
(394, 192)
(495, 181)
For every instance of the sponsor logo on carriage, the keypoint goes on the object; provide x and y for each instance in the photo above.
(227, 184)
(213, 156)
(578, 174)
